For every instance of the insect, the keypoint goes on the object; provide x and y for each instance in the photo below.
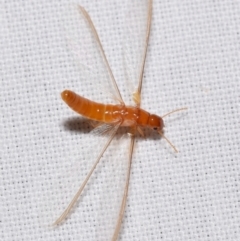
(113, 116)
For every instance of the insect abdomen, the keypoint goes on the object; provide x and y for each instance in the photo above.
(83, 106)
(128, 115)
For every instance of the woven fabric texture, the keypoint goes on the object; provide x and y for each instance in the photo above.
(46, 149)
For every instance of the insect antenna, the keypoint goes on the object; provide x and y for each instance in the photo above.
(169, 142)
(161, 134)
(171, 112)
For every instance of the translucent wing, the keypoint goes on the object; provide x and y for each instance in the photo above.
(96, 78)
(138, 24)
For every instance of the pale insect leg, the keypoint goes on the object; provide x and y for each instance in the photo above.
(140, 131)
(137, 95)
(75, 198)
(124, 200)
(114, 83)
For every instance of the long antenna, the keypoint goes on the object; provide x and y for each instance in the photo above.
(171, 112)
(169, 142)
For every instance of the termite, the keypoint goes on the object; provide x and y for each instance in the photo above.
(116, 116)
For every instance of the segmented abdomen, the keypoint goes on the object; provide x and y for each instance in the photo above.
(90, 109)
(127, 115)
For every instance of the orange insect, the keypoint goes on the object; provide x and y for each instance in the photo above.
(115, 115)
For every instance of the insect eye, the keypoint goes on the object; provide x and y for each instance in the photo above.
(155, 128)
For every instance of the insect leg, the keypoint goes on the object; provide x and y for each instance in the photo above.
(124, 200)
(75, 198)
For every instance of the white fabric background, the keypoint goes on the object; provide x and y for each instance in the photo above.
(193, 61)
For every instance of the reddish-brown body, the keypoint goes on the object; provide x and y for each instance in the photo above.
(128, 115)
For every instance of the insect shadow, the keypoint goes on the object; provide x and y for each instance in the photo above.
(85, 126)
(77, 124)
